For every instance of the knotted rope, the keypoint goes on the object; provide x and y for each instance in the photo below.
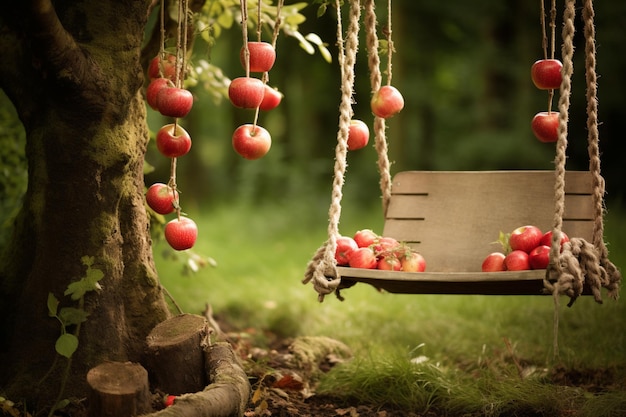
(323, 264)
(579, 263)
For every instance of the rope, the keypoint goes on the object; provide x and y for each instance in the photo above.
(323, 263)
(579, 263)
(375, 82)
(613, 276)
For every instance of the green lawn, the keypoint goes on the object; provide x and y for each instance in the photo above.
(261, 254)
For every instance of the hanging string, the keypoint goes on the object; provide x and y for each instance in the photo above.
(323, 263)
(390, 48)
(244, 32)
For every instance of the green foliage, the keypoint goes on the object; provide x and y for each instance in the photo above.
(76, 290)
(67, 343)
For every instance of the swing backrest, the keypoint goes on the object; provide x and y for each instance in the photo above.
(454, 217)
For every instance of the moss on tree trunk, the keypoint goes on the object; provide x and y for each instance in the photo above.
(75, 79)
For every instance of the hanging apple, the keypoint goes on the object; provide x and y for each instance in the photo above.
(546, 74)
(387, 102)
(261, 58)
(181, 233)
(358, 135)
(545, 126)
(173, 141)
(246, 92)
(156, 85)
(174, 101)
(161, 198)
(271, 98)
(162, 68)
(251, 141)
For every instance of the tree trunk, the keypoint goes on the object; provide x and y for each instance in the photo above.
(73, 72)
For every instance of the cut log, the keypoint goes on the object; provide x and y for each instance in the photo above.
(175, 354)
(118, 389)
(227, 394)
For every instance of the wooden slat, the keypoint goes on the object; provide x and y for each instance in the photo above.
(454, 217)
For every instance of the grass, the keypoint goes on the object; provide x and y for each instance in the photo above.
(473, 348)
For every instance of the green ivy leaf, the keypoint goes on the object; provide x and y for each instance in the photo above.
(66, 345)
(53, 305)
(87, 260)
(71, 316)
(89, 282)
(77, 289)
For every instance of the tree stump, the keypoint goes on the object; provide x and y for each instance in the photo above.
(118, 389)
(175, 354)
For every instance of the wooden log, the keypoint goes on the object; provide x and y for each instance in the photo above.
(227, 394)
(118, 389)
(175, 354)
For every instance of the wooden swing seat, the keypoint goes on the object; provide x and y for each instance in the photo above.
(453, 218)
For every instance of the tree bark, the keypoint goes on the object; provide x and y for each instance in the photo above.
(72, 71)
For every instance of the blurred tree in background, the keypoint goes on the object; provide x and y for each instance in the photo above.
(463, 69)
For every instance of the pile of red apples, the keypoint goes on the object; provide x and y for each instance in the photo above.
(368, 250)
(527, 247)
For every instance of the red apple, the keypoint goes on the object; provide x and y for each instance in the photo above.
(363, 258)
(345, 246)
(156, 85)
(162, 198)
(413, 262)
(251, 141)
(174, 102)
(389, 263)
(546, 239)
(271, 98)
(173, 141)
(516, 260)
(494, 262)
(365, 238)
(386, 102)
(546, 74)
(525, 238)
(165, 68)
(386, 244)
(262, 56)
(246, 92)
(181, 233)
(358, 135)
(545, 126)
(539, 257)
(168, 401)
